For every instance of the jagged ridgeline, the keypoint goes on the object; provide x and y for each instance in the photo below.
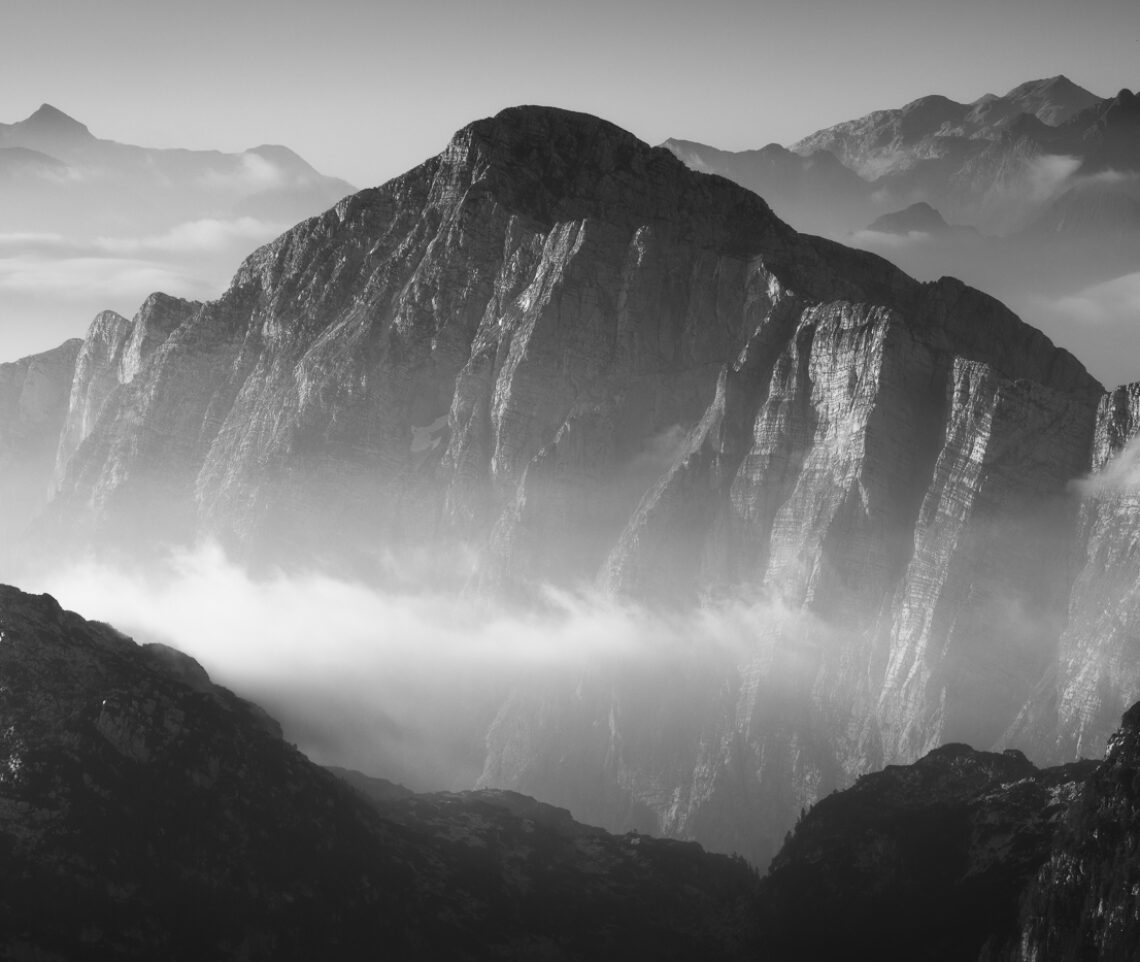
(564, 352)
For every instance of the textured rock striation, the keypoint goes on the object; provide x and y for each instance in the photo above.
(146, 813)
(562, 349)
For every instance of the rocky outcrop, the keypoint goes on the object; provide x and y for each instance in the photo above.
(814, 191)
(33, 405)
(112, 354)
(923, 861)
(131, 788)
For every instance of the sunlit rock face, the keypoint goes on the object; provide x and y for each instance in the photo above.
(1097, 670)
(558, 351)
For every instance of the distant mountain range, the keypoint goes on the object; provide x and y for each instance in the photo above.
(1048, 174)
(990, 163)
(88, 223)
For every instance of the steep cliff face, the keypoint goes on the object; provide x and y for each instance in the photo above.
(562, 348)
(146, 813)
(112, 354)
(33, 405)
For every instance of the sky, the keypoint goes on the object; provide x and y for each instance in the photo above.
(365, 90)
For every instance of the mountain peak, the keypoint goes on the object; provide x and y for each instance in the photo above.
(1051, 99)
(49, 118)
(919, 217)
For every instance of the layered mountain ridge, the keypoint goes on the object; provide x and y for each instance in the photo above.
(146, 812)
(131, 787)
(559, 347)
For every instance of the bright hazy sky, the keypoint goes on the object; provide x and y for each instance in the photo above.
(364, 90)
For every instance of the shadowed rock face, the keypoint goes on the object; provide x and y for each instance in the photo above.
(966, 855)
(146, 813)
(563, 348)
(1082, 904)
(33, 410)
(926, 861)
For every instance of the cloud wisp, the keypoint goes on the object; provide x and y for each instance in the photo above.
(400, 683)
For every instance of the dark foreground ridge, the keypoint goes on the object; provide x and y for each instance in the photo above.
(147, 813)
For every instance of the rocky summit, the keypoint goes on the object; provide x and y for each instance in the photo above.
(147, 813)
(561, 352)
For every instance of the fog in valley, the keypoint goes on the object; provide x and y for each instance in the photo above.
(403, 682)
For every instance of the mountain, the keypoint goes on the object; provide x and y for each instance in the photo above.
(928, 860)
(814, 191)
(133, 787)
(34, 394)
(87, 222)
(966, 855)
(935, 128)
(1082, 904)
(1092, 211)
(558, 352)
(147, 813)
(917, 218)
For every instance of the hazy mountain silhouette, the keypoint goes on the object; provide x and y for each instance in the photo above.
(1048, 166)
(88, 223)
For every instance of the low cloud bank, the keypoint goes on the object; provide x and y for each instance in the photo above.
(401, 684)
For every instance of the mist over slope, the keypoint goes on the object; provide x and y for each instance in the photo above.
(554, 357)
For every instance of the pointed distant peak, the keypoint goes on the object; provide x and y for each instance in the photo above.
(1053, 100)
(920, 217)
(47, 117)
